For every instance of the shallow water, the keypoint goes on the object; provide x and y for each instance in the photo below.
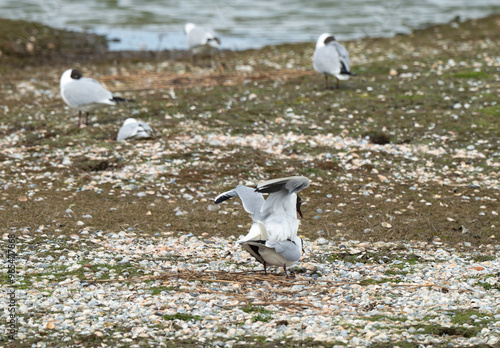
(156, 24)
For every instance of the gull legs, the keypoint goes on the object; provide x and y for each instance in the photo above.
(326, 83)
(80, 118)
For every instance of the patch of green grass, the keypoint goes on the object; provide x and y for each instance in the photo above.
(476, 321)
(182, 316)
(491, 110)
(483, 258)
(312, 172)
(439, 330)
(156, 290)
(264, 318)
(464, 316)
(486, 286)
(352, 258)
(395, 272)
(471, 74)
(380, 317)
(259, 338)
(258, 309)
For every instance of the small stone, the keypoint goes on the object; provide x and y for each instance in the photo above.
(478, 268)
(213, 207)
(321, 241)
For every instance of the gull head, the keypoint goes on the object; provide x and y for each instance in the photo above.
(69, 75)
(76, 74)
(323, 39)
(188, 27)
(129, 121)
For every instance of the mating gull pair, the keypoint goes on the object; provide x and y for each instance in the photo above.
(272, 239)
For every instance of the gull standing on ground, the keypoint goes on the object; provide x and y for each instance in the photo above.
(331, 58)
(133, 129)
(272, 238)
(201, 41)
(281, 254)
(85, 94)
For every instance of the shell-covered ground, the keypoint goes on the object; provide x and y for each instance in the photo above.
(119, 243)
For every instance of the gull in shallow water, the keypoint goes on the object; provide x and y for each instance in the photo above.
(331, 58)
(133, 129)
(85, 94)
(201, 41)
(272, 238)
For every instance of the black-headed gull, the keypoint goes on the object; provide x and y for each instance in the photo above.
(273, 234)
(331, 58)
(85, 94)
(133, 129)
(201, 41)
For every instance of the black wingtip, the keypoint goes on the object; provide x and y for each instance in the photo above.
(122, 100)
(274, 187)
(222, 198)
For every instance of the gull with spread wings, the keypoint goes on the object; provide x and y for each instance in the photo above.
(272, 238)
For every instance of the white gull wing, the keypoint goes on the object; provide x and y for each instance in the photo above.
(343, 55)
(280, 208)
(282, 194)
(252, 203)
(85, 94)
(291, 184)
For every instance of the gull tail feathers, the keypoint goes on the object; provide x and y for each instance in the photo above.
(122, 100)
